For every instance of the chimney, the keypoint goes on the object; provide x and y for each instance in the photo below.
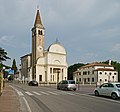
(110, 61)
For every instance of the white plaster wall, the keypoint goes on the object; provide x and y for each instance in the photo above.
(57, 59)
(40, 71)
(110, 68)
(41, 61)
(107, 76)
(96, 76)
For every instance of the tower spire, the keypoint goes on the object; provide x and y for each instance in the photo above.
(38, 19)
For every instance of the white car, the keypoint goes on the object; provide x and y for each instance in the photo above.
(66, 85)
(108, 89)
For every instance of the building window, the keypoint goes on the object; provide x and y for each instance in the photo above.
(113, 77)
(80, 79)
(88, 72)
(53, 77)
(100, 72)
(77, 80)
(88, 79)
(92, 79)
(50, 70)
(100, 80)
(84, 73)
(40, 77)
(62, 70)
(40, 32)
(110, 73)
(45, 75)
(92, 72)
(114, 73)
(105, 80)
(105, 73)
(79, 73)
(84, 80)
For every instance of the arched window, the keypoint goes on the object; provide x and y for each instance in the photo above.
(40, 32)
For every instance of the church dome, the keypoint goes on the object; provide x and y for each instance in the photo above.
(56, 47)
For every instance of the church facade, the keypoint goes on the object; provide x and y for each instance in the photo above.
(45, 66)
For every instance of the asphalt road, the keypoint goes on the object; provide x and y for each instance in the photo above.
(48, 99)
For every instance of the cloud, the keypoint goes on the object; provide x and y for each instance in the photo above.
(86, 28)
(88, 57)
(10, 42)
(116, 48)
(7, 40)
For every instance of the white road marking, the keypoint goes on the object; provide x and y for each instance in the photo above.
(36, 93)
(68, 93)
(59, 92)
(52, 93)
(28, 107)
(20, 93)
(29, 93)
(44, 93)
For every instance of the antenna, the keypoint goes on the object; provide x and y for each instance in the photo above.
(37, 4)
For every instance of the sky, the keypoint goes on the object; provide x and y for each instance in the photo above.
(88, 29)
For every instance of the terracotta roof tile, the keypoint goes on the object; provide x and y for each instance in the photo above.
(96, 64)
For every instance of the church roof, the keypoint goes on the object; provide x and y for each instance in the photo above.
(56, 47)
(38, 19)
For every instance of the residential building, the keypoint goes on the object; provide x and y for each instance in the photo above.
(96, 73)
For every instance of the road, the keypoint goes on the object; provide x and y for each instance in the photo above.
(48, 99)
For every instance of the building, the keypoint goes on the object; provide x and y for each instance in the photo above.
(44, 66)
(26, 67)
(96, 73)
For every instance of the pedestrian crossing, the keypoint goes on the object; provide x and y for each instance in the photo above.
(55, 93)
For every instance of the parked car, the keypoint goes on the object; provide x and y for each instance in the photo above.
(108, 89)
(33, 83)
(66, 85)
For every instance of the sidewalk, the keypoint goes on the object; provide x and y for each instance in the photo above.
(9, 101)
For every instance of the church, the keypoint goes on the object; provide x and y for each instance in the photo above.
(45, 66)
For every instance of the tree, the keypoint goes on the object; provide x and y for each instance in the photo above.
(3, 55)
(72, 69)
(14, 67)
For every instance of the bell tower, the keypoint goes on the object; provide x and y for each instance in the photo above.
(37, 42)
